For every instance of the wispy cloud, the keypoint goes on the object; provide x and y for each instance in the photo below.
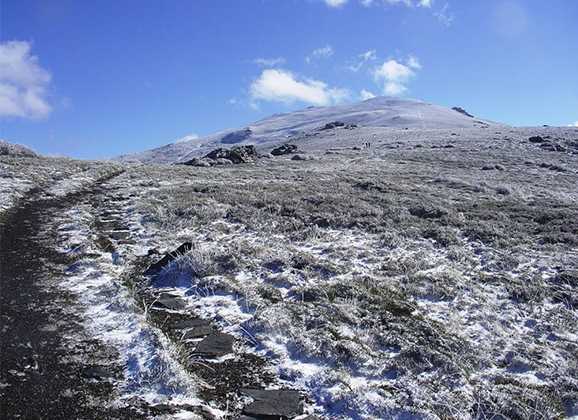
(362, 59)
(408, 3)
(323, 52)
(23, 83)
(269, 62)
(574, 125)
(394, 75)
(444, 15)
(335, 3)
(277, 85)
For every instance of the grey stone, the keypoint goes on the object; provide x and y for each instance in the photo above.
(284, 403)
(215, 345)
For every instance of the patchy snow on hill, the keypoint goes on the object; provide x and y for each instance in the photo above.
(380, 112)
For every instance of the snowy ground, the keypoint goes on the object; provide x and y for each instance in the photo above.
(430, 275)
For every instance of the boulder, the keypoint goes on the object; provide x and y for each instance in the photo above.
(536, 139)
(284, 149)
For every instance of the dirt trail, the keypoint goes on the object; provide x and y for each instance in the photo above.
(50, 367)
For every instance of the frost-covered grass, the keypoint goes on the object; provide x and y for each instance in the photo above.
(396, 284)
(397, 281)
(55, 176)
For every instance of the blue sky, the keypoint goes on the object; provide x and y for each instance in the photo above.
(93, 79)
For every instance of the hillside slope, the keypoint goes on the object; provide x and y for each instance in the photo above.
(376, 112)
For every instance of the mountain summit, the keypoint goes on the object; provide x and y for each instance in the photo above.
(278, 128)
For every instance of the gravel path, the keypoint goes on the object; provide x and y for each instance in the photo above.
(50, 367)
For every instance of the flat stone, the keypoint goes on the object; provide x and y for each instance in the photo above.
(183, 324)
(215, 345)
(198, 332)
(285, 403)
(167, 259)
(168, 301)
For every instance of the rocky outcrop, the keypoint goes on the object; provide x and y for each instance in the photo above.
(221, 156)
(240, 154)
(462, 111)
(338, 124)
(9, 149)
(550, 144)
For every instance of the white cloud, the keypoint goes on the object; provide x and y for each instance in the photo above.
(366, 94)
(395, 75)
(186, 138)
(413, 62)
(335, 3)
(23, 83)
(269, 62)
(574, 125)
(276, 85)
(324, 52)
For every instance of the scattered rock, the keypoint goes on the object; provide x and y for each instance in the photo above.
(493, 167)
(167, 259)
(215, 345)
(427, 212)
(536, 139)
(336, 124)
(302, 157)
(552, 147)
(284, 149)
(283, 403)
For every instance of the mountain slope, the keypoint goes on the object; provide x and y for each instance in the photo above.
(376, 112)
